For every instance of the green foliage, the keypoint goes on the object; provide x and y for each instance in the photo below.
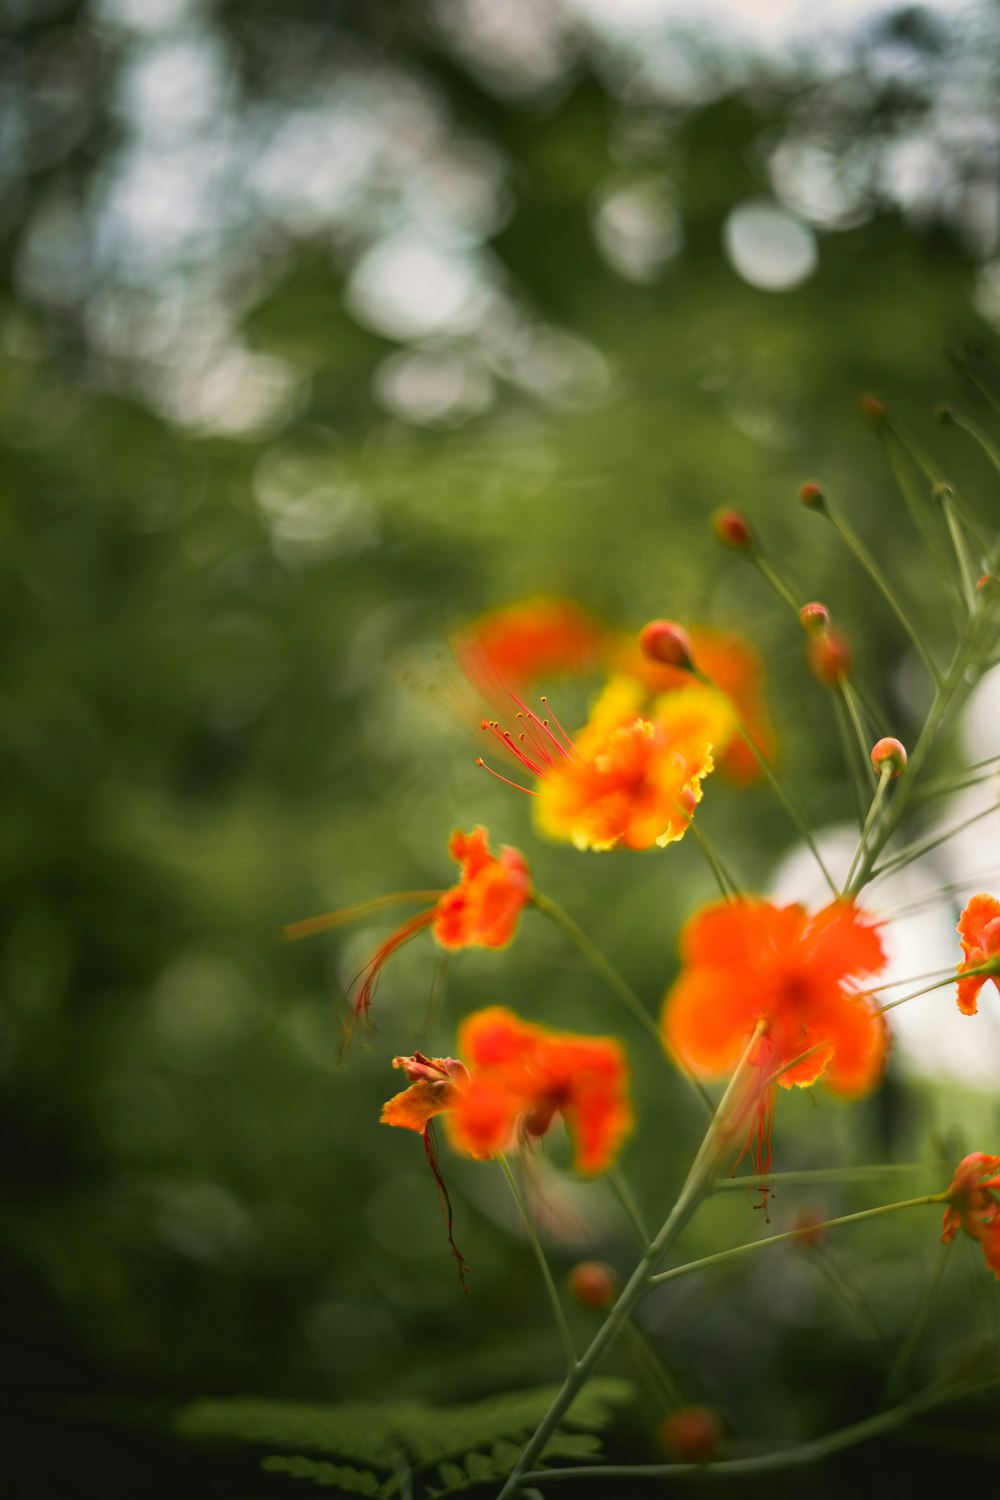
(463, 1444)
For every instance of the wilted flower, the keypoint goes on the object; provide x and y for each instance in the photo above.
(974, 1206)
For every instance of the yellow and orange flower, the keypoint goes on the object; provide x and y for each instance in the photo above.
(623, 780)
(750, 965)
(979, 934)
(481, 911)
(974, 1206)
(514, 1079)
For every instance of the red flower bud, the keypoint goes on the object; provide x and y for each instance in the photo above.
(829, 657)
(872, 408)
(889, 752)
(985, 580)
(593, 1284)
(691, 1435)
(669, 644)
(814, 618)
(812, 496)
(732, 529)
(807, 1223)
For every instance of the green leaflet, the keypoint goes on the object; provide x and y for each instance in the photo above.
(373, 1441)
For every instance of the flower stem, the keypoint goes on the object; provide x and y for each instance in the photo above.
(727, 1118)
(885, 776)
(785, 799)
(722, 1256)
(629, 1207)
(855, 545)
(536, 1245)
(789, 1458)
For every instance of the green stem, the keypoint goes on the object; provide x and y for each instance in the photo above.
(727, 1119)
(915, 504)
(871, 567)
(859, 786)
(793, 812)
(917, 850)
(722, 1256)
(965, 569)
(727, 886)
(809, 1177)
(789, 1458)
(645, 1356)
(928, 1297)
(775, 580)
(629, 1207)
(885, 776)
(536, 1245)
(614, 980)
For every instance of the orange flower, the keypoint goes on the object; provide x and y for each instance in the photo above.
(749, 963)
(434, 1086)
(623, 780)
(979, 933)
(974, 1206)
(481, 911)
(522, 1076)
(509, 649)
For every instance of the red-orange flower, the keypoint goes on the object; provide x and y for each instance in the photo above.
(623, 780)
(509, 649)
(979, 933)
(481, 911)
(750, 964)
(522, 1076)
(974, 1206)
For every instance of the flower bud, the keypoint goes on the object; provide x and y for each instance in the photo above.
(691, 1435)
(814, 618)
(812, 496)
(872, 408)
(666, 643)
(944, 413)
(592, 1283)
(829, 657)
(942, 492)
(985, 580)
(732, 529)
(807, 1224)
(889, 752)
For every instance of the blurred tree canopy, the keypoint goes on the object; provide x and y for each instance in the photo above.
(327, 326)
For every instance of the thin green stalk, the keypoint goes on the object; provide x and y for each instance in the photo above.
(949, 509)
(645, 1356)
(722, 1256)
(629, 1207)
(774, 578)
(885, 776)
(915, 505)
(696, 1185)
(946, 788)
(853, 1298)
(859, 785)
(536, 1245)
(929, 1295)
(727, 886)
(793, 812)
(916, 850)
(615, 982)
(871, 567)
(809, 1177)
(788, 1458)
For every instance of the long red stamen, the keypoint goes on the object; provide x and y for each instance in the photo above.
(431, 1152)
(758, 1138)
(373, 968)
(310, 925)
(536, 747)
